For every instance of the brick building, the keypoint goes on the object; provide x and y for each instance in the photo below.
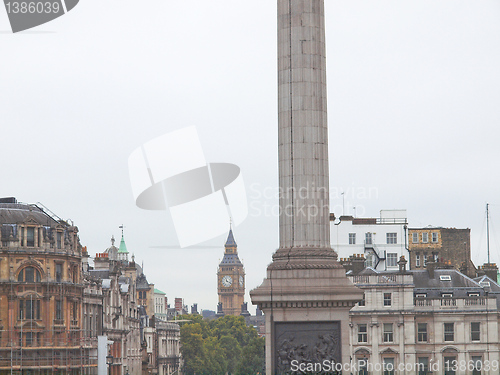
(443, 245)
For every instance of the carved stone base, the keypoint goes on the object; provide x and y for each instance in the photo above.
(306, 290)
(306, 343)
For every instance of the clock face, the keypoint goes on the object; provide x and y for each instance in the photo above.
(241, 281)
(227, 281)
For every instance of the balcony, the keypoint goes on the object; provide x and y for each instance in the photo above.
(447, 304)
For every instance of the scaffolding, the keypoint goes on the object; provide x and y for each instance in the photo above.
(34, 352)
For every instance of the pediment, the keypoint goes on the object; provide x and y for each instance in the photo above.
(30, 220)
(389, 351)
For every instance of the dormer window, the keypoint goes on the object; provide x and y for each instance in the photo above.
(485, 284)
(30, 237)
(59, 240)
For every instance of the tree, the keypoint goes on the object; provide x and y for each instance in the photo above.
(252, 360)
(222, 346)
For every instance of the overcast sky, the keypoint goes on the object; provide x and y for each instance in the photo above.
(414, 114)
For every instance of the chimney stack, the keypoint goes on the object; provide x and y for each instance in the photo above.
(431, 266)
(402, 264)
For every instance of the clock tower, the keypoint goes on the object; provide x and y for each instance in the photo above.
(231, 279)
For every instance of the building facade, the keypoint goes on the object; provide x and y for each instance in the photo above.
(41, 293)
(231, 279)
(381, 240)
(430, 321)
(440, 245)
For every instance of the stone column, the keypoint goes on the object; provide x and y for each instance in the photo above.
(306, 296)
(302, 124)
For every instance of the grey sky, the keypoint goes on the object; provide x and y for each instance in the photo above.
(413, 94)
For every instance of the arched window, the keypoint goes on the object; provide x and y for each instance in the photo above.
(29, 275)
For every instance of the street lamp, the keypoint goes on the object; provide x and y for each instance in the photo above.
(109, 362)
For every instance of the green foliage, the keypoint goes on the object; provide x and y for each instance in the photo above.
(221, 346)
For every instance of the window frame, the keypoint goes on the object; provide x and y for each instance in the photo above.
(391, 238)
(387, 299)
(422, 335)
(475, 335)
(352, 238)
(414, 237)
(369, 238)
(363, 335)
(449, 333)
(434, 237)
(393, 261)
(425, 237)
(387, 335)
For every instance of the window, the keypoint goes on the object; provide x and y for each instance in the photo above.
(368, 238)
(363, 366)
(30, 239)
(29, 275)
(362, 302)
(388, 334)
(485, 284)
(59, 240)
(422, 332)
(392, 259)
(352, 238)
(59, 310)
(388, 366)
(475, 331)
(417, 260)
(414, 238)
(58, 272)
(449, 332)
(450, 365)
(387, 299)
(29, 309)
(434, 237)
(445, 278)
(369, 260)
(392, 238)
(362, 333)
(423, 365)
(425, 260)
(477, 363)
(435, 257)
(446, 295)
(425, 237)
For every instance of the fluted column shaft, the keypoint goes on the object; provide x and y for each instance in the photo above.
(303, 133)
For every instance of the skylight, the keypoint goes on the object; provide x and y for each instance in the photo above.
(445, 278)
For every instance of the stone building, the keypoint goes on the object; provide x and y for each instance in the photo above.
(231, 279)
(41, 293)
(167, 341)
(441, 245)
(120, 320)
(145, 293)
(427, 320)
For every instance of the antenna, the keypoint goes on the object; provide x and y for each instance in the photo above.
(488, 231)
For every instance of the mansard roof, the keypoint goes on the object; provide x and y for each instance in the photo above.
(17, 213)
